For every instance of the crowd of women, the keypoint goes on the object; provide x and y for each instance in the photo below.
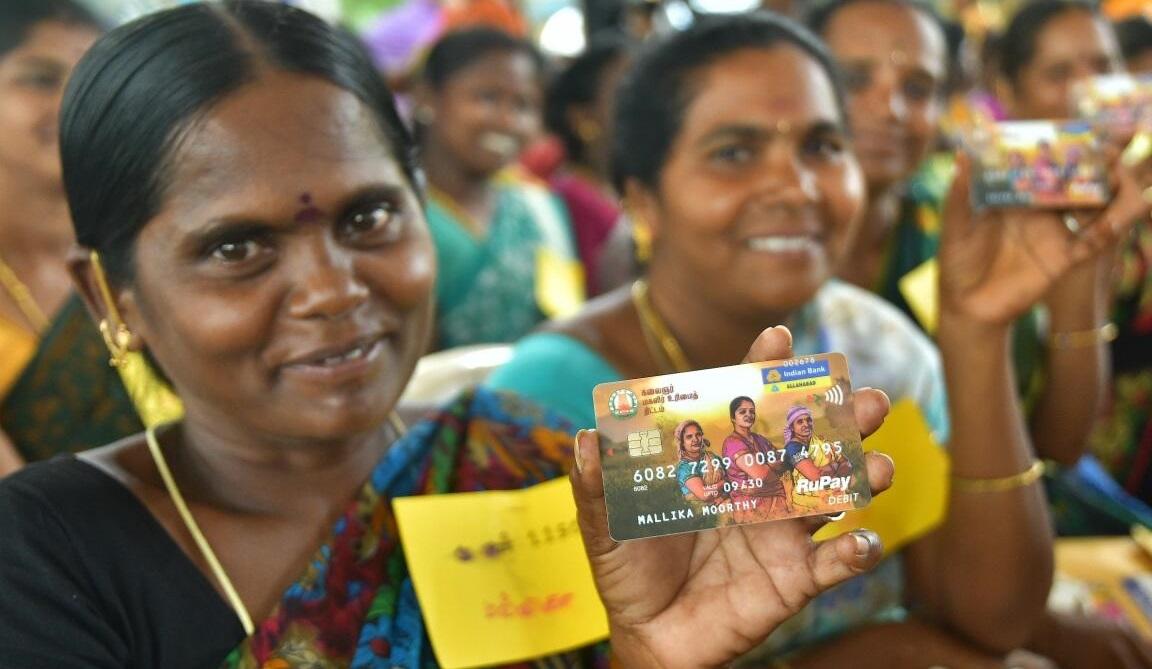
(222, 201)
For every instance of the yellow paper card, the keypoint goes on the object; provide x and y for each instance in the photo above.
(918, 498)
(921, 291)
(501, 576)
(18, 346)
(559, 284)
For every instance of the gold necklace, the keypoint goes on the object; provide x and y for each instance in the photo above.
(662, 344)
(23, 298)
(198, 536)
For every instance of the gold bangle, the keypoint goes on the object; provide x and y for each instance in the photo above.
(1026, 477)
(1084, 338)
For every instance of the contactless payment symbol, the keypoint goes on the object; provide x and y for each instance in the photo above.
(623, 403)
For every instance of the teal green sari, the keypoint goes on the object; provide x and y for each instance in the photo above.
(489, 288)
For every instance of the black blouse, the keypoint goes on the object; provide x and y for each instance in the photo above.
(90, 580)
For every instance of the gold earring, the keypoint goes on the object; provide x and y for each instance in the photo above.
(588, 131)
(641, 240)
(154, 400)
(117, 342)
(117, 336)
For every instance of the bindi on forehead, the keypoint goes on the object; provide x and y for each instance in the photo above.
(309, 212)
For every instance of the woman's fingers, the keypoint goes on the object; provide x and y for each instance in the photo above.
(958, 217)
(772, 344)
(881, 470)
(1138, 151)
(588, 490)
(872, 406)
(837, 560)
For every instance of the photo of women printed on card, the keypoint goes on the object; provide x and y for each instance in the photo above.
(1041, 164)
(700, 471)
(756, 471)
(810, 458)
(717, 447)
(1119, 103)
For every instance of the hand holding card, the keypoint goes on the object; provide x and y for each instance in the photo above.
(995, 264)
(787, 446)
(1118, 103)
(1038, 164)
(751, 576)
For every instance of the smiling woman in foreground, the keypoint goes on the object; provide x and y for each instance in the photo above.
(243, 191)
(733, 146)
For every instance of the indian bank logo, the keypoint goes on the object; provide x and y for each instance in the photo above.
(623, 403)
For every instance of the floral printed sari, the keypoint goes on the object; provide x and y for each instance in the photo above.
(355, 606)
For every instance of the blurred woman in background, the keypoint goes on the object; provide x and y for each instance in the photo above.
(1047, 48)
(40, 43)
(259, 234)
(579, 112)
(504, 244)
(754, 196)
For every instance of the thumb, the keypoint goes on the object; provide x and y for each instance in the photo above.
(772, 344)
(588, 491)
(958, 216)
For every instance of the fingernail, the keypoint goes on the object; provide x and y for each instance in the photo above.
(891, 463)
(1137, 150)
(1147, 194)
(866, 542)
(576, 452)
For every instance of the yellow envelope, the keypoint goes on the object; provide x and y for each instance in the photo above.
(921, 291)
(501, 576)
(559, 284)
(918, 498)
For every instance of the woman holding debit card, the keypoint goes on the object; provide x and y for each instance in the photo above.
(751, 192)
(245, 194)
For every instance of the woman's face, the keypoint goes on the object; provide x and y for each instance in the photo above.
(32, 78)
(1072, 46)
(745, 415)
(760, 193)
(894, 79)
(284, 286)
(488, 111)
(693, 441)
(603, 108)
(802, 428)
